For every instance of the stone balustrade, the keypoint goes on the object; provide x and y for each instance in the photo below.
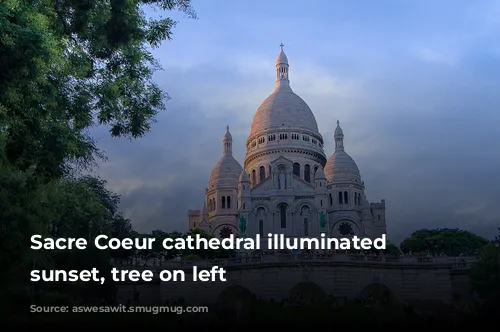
(463, 263)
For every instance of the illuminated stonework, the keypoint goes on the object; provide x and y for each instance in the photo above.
(287, 184)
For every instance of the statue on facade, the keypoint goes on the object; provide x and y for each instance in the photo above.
(322, 221)
(243, 225)
(281, 180)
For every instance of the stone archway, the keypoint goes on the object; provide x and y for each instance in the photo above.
(379, 292)
(306, 293)
(235, 302)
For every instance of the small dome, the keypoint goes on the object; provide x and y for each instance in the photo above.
(244, 176)
(320, 174)
(225, 173)
(341, 166)
(282, 58)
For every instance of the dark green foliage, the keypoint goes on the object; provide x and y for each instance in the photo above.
(392, 250)
(485, 275)
(451, 242)
(207, 254)
(65, 66)
(486, 272)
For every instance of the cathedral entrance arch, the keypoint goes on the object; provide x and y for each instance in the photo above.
(306, 293)
(378, 292)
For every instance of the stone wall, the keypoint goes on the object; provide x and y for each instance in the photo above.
(344, 279)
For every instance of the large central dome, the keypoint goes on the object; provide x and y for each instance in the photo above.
(283, 109)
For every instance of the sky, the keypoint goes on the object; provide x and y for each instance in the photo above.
(415, 85)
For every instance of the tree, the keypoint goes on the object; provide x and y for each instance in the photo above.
(485, 274)
(65, 207)
(202, 253)
(392, 250)
(452, 242)
(67, 65)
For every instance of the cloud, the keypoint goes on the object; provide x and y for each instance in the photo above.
(436, 57)
(424, 136)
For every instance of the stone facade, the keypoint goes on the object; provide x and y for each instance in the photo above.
(287, 184)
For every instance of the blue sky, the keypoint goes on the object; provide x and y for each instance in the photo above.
(415, 85)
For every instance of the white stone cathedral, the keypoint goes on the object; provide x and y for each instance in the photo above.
(287, 186)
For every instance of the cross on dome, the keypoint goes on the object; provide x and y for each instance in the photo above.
(281, 45)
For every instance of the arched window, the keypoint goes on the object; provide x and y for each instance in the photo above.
(223, 202)
(261, 227)
(210, 205)
(262, 173)
(270, 169)
(346, 197)
(307, 173)
(214, 203)
(331, 198)
(283, 208)
(254, 178)
(340, 197)
(228, 202)
(296, 169)
(261, 212)
(315, 169)
(306, 227)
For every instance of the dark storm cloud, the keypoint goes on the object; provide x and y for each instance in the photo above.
(420, 110)
(434, 164)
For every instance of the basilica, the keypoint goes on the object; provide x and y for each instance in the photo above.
(287, 185)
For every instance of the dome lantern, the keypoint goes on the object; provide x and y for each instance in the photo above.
(339, 137)
(282, 67)
(227, 142)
